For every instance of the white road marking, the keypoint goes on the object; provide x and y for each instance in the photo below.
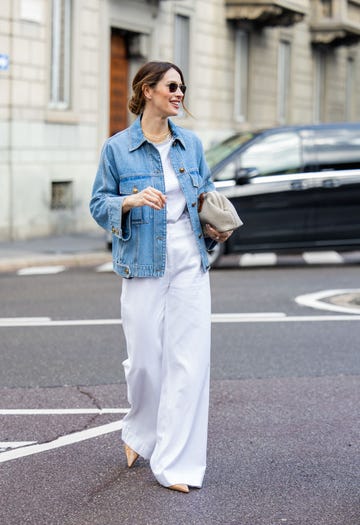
(258, 259)
(314, 300)
(4, 445)
(319, 318)
(23, 321)
(106, 267)
(59, 411)
(6, 323)
(329, 257)
(243, 317)
(264, 317)
(41, 270)
(61, 441)
(240, 318)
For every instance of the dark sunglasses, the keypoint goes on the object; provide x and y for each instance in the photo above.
(173, 87)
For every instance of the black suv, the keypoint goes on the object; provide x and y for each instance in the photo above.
(294, 187)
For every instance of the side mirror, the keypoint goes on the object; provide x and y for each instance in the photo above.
(244, 175)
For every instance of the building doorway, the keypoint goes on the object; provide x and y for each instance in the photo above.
(119, 81)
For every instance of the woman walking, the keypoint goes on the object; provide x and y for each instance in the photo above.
(146, 192)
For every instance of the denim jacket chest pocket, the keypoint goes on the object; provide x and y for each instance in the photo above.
(131, 186)
(197, 182)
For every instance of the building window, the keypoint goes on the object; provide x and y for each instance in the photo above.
(326, 8)
(349, 101)
(283, 80)
(319, 87)
(60, 80)
(61, 195)
(241, 75)
(182, 44)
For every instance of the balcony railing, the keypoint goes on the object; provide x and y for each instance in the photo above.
(267, 12)
(335, 22)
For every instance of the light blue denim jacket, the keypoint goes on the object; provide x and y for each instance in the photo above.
(128, 164)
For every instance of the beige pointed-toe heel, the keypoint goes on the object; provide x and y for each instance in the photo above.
(131, 455)
(180, 487)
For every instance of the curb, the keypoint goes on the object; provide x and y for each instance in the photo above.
(79, 259)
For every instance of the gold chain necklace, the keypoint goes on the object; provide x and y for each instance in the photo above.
(157, 138)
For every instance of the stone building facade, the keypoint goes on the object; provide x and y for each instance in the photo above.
(66, 68)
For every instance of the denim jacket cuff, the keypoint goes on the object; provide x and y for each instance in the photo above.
(120, 223)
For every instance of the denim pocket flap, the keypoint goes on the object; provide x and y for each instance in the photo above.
(195, 179)
(134, 185)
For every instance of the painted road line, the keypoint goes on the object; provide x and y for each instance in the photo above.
(21, 321)
(8, 323)
(315, 300)
(241, 317)
(215, 318)
(70, 439)
(41, 270)
(59, 411)
(5, 445)
(258, 259)
(232, 318)
(329, 257)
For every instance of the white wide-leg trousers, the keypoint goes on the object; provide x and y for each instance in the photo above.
(167, 327)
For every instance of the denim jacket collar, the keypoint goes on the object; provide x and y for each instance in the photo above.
(137, 138)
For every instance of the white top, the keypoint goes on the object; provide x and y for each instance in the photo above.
(175, 200)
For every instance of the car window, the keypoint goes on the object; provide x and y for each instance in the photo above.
(227, 172)
(337, 149)
(275, 153)
(219, 152)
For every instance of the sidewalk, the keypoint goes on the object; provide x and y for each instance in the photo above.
(70, 250)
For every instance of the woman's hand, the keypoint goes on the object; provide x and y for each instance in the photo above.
(215, 235)
(148, 197)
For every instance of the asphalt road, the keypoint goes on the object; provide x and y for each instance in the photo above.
(284, 425)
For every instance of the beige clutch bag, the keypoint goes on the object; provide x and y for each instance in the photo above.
(216, 209)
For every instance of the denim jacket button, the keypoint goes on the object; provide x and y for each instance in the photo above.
(182, 170)
(200, 235)
(193, 204)
(135, 190)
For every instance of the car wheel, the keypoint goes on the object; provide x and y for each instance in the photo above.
(215, 255)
